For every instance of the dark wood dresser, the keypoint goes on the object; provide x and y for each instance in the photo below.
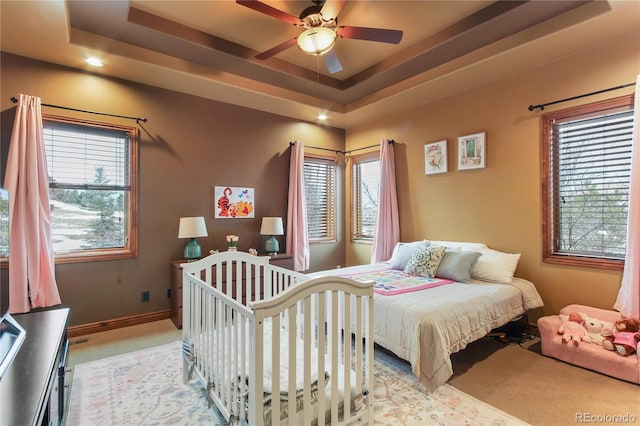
(32, 390)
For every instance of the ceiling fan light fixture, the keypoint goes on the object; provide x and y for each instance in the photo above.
(317, 41)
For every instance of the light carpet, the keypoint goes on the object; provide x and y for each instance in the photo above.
(145, 388)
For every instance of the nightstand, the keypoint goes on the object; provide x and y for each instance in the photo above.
(175, 302)
(282, 260)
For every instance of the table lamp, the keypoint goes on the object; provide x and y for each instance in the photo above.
(272, 226)
(192, 227)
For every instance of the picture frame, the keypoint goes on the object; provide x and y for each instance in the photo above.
(230, 202)
(435, 158)
(472, 151)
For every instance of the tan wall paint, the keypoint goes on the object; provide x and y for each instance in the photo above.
(188, 145)
(499, 205)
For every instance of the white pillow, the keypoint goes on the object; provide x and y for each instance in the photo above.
(460, 245)
(402, 253)
(496, 266)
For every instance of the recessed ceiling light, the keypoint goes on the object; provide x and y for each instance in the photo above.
(94, 61)
(322, 116)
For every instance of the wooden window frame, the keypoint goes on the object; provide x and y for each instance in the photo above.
(549, 185)
(130, 250)
(356, 236)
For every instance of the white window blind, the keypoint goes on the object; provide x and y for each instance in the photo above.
(365, 184)
(86, 158)
(320, 188)
(591, 161)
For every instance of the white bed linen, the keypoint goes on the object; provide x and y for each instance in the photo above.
(425, 327)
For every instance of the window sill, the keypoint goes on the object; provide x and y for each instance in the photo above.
(360, 241)
(583, 261)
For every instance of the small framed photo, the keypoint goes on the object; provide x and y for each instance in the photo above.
(435, 157)
(471, 151)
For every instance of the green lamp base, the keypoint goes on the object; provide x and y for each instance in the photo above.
(272, 246)
(192, 250)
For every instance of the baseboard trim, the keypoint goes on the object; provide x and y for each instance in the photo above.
(96, 327)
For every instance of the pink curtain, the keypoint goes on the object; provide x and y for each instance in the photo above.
(628, 301)
(32, 282)
(297, 232)
(387, 231)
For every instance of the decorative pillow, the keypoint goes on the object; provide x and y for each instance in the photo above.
(424, 261)
(496, 266)
(402, 253)
(457, 265)
(459, 245)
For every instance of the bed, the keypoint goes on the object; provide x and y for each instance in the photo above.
(425, 326)
(268, 344)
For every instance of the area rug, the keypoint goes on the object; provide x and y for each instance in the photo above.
(145, 388)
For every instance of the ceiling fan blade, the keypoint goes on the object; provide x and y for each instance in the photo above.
(271, 11)
(371, 34)
(332, 61)
(275, 50)
(332, 8)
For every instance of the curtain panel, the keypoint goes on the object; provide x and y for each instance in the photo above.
(297, 231)
(387, 229)
(32, 282)
(628, 301)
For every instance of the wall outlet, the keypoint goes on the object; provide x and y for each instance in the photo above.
(145, 296)
(168, 293)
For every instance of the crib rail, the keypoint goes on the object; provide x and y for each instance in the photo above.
(242, 276)
(242, 316)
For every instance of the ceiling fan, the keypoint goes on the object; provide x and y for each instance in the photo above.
(321, 29)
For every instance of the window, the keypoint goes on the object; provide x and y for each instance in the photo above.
(586, 173)
(320, 188)
(365, 183)
(92, 186)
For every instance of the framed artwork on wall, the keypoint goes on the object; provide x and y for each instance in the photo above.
(233, 202)
(435, 157)
(471, 151)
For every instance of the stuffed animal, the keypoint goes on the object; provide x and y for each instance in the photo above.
(572, 328)
(597, 329)
(625, 337)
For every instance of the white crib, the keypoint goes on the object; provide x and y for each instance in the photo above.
(262, 339)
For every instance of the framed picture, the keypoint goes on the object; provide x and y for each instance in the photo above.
(233, 202)
(471, 151)
(435, 157)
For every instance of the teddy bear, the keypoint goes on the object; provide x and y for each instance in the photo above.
(597, 329)
(572, 328)
(624, 338)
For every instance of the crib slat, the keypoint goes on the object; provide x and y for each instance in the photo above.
(346, 342)
(291, 333)
(306, 400)
(256, 342)
(275, 366)
(248, 284)
(322, 344)
(358, 342)
(333, 347)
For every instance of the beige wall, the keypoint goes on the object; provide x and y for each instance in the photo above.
(499, 205)
(188, 146)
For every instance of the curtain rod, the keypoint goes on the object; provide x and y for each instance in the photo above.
(337, 151)
(541, 106)
(138, 119)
